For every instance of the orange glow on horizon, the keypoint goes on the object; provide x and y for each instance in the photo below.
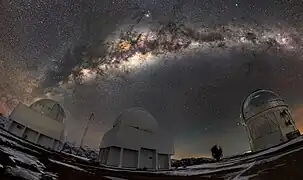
(182, 154)
(298, 117)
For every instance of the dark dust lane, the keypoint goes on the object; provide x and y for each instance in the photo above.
(189, 63)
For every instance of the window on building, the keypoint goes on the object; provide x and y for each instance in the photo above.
(19, 126)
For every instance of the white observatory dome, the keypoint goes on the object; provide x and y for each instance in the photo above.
(260, 101)
(49, 108)
(137, 118)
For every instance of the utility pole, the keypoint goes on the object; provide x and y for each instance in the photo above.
(86, 127)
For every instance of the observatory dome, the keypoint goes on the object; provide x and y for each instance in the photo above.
(137, 118)
(260, 101)
(49, 108)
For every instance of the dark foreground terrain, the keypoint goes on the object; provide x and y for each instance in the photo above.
(22, 160)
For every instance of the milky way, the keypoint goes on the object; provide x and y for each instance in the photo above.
(177, 59)
(121, 56)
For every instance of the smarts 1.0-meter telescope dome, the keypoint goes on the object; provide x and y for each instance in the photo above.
(41, 123)
(135, 141)
(267, 120)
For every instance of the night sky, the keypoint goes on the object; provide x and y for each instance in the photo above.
(196, 63)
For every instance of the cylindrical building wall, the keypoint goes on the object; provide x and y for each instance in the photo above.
(267, 120)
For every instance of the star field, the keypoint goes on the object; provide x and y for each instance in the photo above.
(189, 63)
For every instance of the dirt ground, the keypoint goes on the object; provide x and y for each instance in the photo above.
(285, 163)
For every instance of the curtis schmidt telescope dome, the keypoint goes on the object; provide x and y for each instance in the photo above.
(259, 101)
(49, 108)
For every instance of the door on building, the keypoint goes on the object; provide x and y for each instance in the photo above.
(163, 161)
(30, 135)
(113, 158)
(16, 128)
(147, 158)
(130, 158)
(45, 141)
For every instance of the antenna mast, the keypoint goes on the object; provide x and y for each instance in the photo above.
(85, 129)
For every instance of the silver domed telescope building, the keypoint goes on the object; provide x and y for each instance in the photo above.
(41, 123)
(267, 120)
(135, 141)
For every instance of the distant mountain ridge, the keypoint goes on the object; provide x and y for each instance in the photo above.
(190, 161)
